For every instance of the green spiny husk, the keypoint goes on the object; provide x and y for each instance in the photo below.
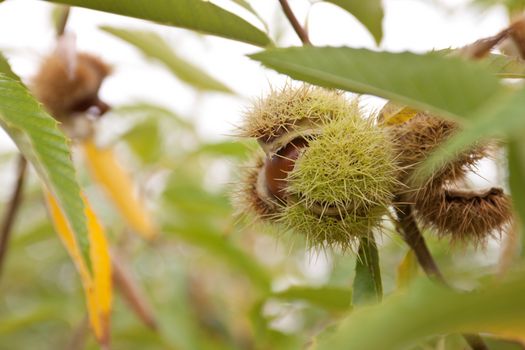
(291, 108)
(350, 166)
(343, 182)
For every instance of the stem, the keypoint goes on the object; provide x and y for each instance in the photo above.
(413, 237)
(482, 47)
(367, 286)
(301, 32)
(62, 20)
(416, 242)
(12, 210)
(132, 292)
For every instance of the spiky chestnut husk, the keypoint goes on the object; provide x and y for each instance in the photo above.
(462, 215)
(67, 88)
(291, 112)
(350, 167)
(466, 216)
(342, 183)
(333, 174)
(418, 137)
(327, 231)
(251, 194)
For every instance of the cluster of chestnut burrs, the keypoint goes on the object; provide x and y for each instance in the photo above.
(332, 174)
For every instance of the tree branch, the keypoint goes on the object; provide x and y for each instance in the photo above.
(301, 32)
(12, 210)
(413, 237)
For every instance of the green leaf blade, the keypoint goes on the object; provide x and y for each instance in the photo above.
(198, 15)
(154, 46)
(516, 154)
(500, 117)
(331, 298)
(447, 86)
(427, 310)
(204, 237)
(38, 138)
(5, 68)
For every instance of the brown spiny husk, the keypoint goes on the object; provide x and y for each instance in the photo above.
(248, 196)
(462, 215)
(417, 138)
(466, 215)
(62, 86)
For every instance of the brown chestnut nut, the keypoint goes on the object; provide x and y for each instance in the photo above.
(279, 165)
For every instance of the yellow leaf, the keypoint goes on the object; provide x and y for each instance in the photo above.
(516, 332)
(392, 114)
(407, 269)
(107, 171)
(97, 289)
(68, 239)
(101, 262)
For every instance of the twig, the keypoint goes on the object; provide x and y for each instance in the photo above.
(62, 20)
(12, 209)
(416, 242)
(79, 337)
(367, 266)
(482, 47)
(132, 292)
(301, 32)
(412, 235)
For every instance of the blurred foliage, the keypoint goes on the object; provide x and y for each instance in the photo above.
(214, 280)
(152, 45)
(513, 7)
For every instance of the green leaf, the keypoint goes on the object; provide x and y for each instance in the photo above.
(331, 298)
(206, 238)
(232, 149)
(512, 6)
(367, 282)
(506, 66)
(447, 86)
(502, 344)
(516, 154)
(151, 111)
(369, 13)
(198, 15)
(246, 5)
(38, 137)
(426, 310)
(154, 46)
(144, 139)
(22, 320)
(501, 117)
(5, 68)
(187, 197)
